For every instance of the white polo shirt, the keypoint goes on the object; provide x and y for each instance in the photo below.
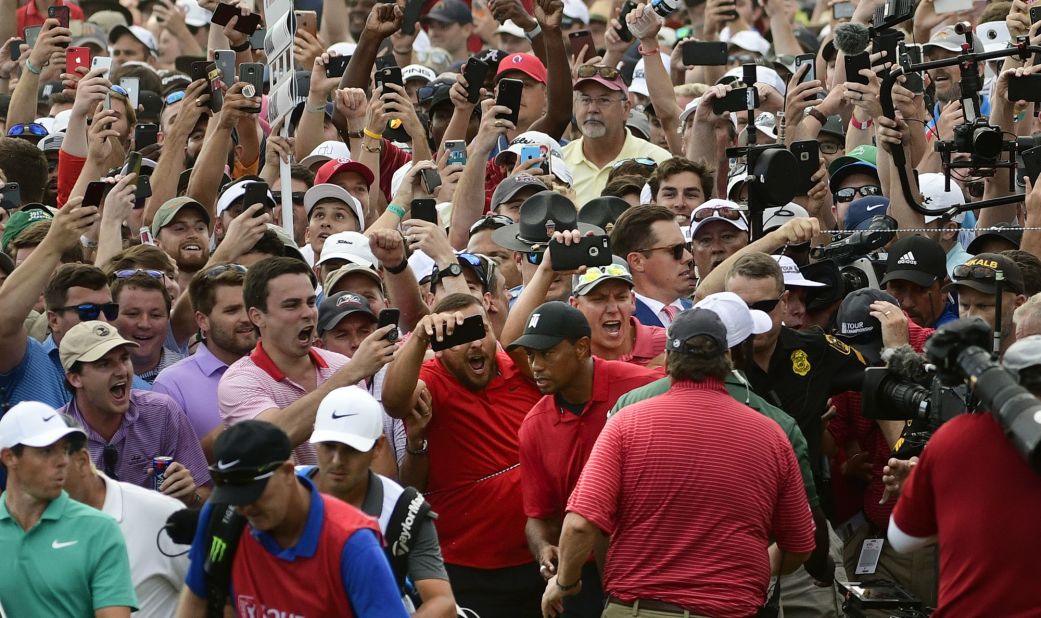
(141, 513)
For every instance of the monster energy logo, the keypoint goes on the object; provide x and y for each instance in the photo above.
(217, 549)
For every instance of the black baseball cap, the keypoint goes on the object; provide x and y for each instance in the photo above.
(857, 327)
(450, 12)
(692, 323)
(1001, 231)
(980, 274)
(550, 324)
(248, 454)
(340, 305)
(917, 259)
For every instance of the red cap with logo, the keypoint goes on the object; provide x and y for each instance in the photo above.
(335, 166)
(528, 64)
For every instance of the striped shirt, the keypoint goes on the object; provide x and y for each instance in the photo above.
(692, 486)
(154, 425)
(254, 383)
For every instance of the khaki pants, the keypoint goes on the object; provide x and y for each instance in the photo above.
(915, 572)
(616, 610)
(801, 598)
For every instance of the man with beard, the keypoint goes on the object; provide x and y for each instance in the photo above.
(468, 464)
(601, 108)
(659, 259)
(977, 285)
(285, 378)
(181, 228)
(220, 314)
(559, 432)
(946, 43)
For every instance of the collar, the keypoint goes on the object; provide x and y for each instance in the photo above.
(656, 305)
(207, 362)
(128, 417)
(644, 344)
(601, 381)
(308, 543)
(708, 384)
(113, 505)
(48, 344)
(372, 503)
(261, 359)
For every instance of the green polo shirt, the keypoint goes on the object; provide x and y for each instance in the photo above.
(741, 392)
(71, 563)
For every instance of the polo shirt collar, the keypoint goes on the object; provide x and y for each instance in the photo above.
(643, 341)
(48, 344)
(128, 417)
(708, 384)
(308, 543)
(113, 506)
(207, 362)
(53, 511)
(372, 504)
(261, 359)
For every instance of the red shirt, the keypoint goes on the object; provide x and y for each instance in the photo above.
(849, 425)
(974, 492)
(555, 443)
(649, 344)
(474, 482)
(29, 16)
(391, 159)
(69, 168)
(692, 486)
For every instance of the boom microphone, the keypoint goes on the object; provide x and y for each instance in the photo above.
(908, 364)
(852, 39)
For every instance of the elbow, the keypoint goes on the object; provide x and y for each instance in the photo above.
(792, 561)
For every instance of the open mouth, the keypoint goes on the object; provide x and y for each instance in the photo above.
(612, 328)
(476, 363)
(119, 391)
(541, 383)
(305, 335)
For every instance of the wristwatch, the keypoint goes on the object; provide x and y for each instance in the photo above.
(452, 270)
(420, 451)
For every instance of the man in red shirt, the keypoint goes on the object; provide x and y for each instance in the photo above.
(35, 13)
(691, 487)
(559, 432)
(468, 465)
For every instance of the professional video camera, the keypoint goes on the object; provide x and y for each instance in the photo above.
(860, 269)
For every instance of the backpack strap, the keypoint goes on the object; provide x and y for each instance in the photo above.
(223, 529)
(409, 512)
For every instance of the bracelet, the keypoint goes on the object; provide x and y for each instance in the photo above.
(397, 270)
(644, 52)
(564, 588)
(314, 109)
(398, 210)
(422, 450)
(405, 52)
(861, 126)
(531, 34)
(369, 133)
(355, 134)
(241, 48)
(377, 148)
(196, 498)
(32, 69)
(820, 117)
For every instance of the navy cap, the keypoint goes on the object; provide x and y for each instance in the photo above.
(450, 12)
(864, 209)
(692, 323)
(857, 327)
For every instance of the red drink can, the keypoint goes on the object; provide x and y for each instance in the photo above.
(159, 466)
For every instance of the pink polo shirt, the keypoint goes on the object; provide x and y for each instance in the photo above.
(649, 343)
(254, 383)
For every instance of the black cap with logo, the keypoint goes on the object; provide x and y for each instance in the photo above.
(248, 454)
(856, 325)
(917, 259)
(550, 324)
(340, 305)
(980, 274)
(692, 323)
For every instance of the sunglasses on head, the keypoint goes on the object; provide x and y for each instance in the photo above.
(217, 271)
(243, 476)
(592, 70)
(966, 271)
(726, 212)
(676, 250)
(644, 161)
(174, 97)
(116, 88)
(848, 194)
(91, 311)
(595, 272)
(109, 460)
(296, 196)
(766, 306)
(490, 222)
(27, 128)
(130, 272)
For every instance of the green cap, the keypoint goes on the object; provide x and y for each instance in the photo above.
(860, 154)
(169, 210)
(21, 220)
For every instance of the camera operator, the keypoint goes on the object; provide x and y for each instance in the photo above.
(981, 510)
(976, 282)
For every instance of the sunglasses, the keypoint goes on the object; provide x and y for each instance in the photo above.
(592, 70)
(829, 148)
(174, 97)
(479, 263)
(27, 128)
(966, 271)
(91, 311)
(243, 476)
(130, 272)
(676, 250)
(766, 306)
(726, 212)
(109, 460)
(595, 272)
(849, 194)
(490, 222)
(116, 88)
(296, 196)
(534, 257)
(975, 188)
(644, 161)
(217, 271)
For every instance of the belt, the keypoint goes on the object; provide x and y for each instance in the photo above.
(653, 605)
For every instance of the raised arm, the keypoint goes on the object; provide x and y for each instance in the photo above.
(399, 385)
(53, 40)
(171, 160)
(559, 93)
(468, 200)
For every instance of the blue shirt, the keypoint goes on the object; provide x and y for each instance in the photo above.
(950, 313)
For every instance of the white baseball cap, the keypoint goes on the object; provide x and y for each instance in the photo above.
(793, 277)
(639, 83)
(740, 223)
(741, 322)
(328, 191)
(194, 14)
(749, 40)
(418, 71)
(350, 246)
(936, 197)
(576, 10)
(234, 192)
(351, 416)
(327, 151)
(510, 28)
(33, 424)
(528, 138)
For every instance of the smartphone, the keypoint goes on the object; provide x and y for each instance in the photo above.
(257, 193)
(337, 66)
(224, 12)
(31, 34)
(530, 152)
(76, 57)
(842, 10)
(1031, 164)
(475, 72)
(133, 164)
(389, 75)
(385, 61)
(252, 74)
(811, 73)
(410, 16)
(15, 49)
(623, 31)
(456, 152)
(579, 40)
(472, 329)
(95, 193)
(509, 96)
(10, 196)
(913, 81)
(102, 62)
(256, 40)
(951, 6)
(145, 134)
(1024, 88)
(431, 180)
(302, 83)
(424, 209)
(183, 64)
(736, 100)
(711, 53)
(590, 251)
(389, 317)
(225, 61)
(208, 71)
(61, 13)
(133, 87)
(807, 157)
(854, 64)
(1035, 13)
(887, 41)
(307, 20)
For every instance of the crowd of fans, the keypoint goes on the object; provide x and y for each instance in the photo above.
(321, 362)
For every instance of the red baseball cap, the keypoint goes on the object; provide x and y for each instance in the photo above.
(611, 84)
(528, 64)
(335, 166)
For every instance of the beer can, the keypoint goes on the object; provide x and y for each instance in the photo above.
(159, 466)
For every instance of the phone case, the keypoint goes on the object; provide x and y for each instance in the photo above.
(76, 57)
(389, 317)
(61, 13)
(225, 60)
(256, 193)
(145, 134)
(31, 34)
(698, 53)
(133, 87)
(475, 72)
(736, 101)
(424, 209)
(624, 32)
(224, 12)
(590, 251)
(854, 64)
(579, 40)
(1024, 88)
(509, 96)
(809, 59)
(413, 8)
(456, 152)
(472, 329)
(389, 75)
(337, 66)
(807, 157)
(307, 20)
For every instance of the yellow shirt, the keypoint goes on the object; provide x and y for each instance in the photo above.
(588, 180)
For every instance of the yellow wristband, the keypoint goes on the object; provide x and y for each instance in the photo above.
(369, 133)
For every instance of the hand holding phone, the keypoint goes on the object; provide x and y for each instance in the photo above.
(589, 251)
(509, 96)
(711, 53)
(389, 317)
(424, 209)
(855, 64)
(475, 72)
(472, 329)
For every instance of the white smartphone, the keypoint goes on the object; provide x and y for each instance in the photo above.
(101, 61)
(952, 6)
(133, 86)
(225, 61)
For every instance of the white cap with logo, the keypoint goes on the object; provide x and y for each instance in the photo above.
(351, 416)
(33, 424)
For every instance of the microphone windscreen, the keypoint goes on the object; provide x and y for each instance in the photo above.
(852, 39)
(180, 525)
